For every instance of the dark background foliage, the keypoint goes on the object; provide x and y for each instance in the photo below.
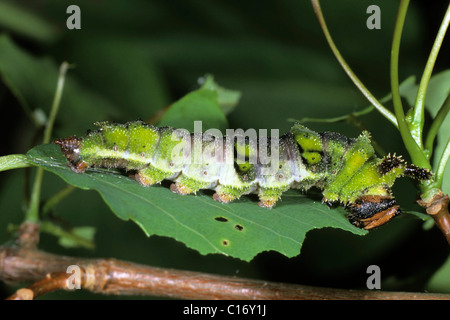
(134, 58)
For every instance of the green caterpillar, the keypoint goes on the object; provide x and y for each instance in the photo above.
(347, 170)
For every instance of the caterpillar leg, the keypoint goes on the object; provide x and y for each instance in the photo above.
(79, 167)
(267, 202)
(223, 197)
(151, 175)
(145, 179)
(184, 185)
(226, 194)
(181, 189)
(369, 212)
(269, 196)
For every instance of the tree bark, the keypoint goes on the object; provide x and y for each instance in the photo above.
(438, 209)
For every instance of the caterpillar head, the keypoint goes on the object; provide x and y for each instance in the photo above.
(369, 212)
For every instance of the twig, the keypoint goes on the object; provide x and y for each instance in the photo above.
(414, 149)
(51, 282)
(437, 122)
(32, 213)
(419, 106)
(23, 262)
(358, 83)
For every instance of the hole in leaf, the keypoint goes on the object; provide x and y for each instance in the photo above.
(225, 243)
(238, 227)
(221, 219)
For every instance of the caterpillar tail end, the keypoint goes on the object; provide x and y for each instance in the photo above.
(70, 147)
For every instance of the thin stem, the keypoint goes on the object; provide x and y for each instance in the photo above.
(56, 102)
(51, 282)
(32, 214)
(418, 118)
(55, 199)
(385, 112)
(344, 117)
(59, 232)
(335, 119)
(417, 155)
(437, 122)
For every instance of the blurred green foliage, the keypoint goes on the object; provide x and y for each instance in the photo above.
(134, 58)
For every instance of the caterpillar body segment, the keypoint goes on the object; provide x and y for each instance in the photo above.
(347, 170)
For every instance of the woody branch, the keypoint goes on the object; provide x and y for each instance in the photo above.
(437, 208)
(24, 262)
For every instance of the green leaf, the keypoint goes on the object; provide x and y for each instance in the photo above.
(70, 238)
(240, 229)
(85, 233)
(13, 161)
(438, 90)
(199, 104)
(227, 99)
